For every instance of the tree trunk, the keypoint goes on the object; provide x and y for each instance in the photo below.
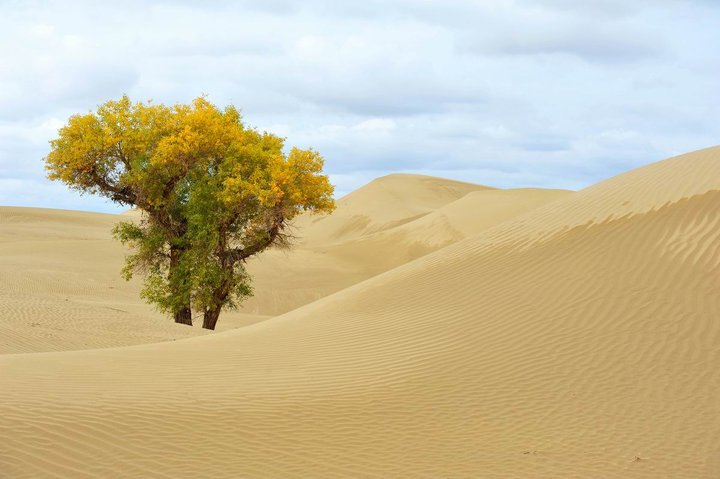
(210, 317)
(184, 316)
(212, 313)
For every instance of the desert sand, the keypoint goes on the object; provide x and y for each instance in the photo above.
(60, 287)
(453, 331)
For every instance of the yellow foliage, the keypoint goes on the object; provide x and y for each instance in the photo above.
(216, 192)
(136, 152)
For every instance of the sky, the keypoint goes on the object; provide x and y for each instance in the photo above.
(506, 93)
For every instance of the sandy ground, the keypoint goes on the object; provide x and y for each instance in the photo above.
(61, 289)
(574, 338)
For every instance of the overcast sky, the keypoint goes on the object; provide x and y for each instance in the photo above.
(547, 93)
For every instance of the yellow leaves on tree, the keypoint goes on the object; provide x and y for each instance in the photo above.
(216, 192)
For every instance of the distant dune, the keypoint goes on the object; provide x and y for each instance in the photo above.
(390, 221)
(60, 284)
(559, 335)
(382, 204)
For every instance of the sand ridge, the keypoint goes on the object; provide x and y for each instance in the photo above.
(578, 339)
(384, 203)
(60, 284)
(338, 251)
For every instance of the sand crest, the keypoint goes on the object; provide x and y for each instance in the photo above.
(576, 339)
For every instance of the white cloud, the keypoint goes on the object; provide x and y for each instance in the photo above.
(42, 30)
(379, 125)
(505, 92)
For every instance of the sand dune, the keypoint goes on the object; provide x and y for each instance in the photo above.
(357, 243)
(60, 287)
(455, 221)
(382, 204)
(578, 339)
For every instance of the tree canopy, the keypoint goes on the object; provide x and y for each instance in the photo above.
(213, 191)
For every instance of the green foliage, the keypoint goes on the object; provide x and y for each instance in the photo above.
(151, 257)
(214, 193)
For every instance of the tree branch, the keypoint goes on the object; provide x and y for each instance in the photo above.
(120, 194)
(273, 235)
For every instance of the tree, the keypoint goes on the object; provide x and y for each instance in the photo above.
(241, 209)
(213, 191)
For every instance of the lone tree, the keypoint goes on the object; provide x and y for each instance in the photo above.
(213, 193)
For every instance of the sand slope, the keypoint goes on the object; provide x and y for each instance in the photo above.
(455, 221)
(325, 257)
(60, 284)
(356, 242)
(577, 340)
(382, 204)
(61, 289)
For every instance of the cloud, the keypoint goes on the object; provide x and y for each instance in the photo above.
(504, 92)
(586, 43)
(376, 125)
(536, 29)
(46, 67)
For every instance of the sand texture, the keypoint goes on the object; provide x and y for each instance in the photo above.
(391, 221)
(579, 338)
(61, 289)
